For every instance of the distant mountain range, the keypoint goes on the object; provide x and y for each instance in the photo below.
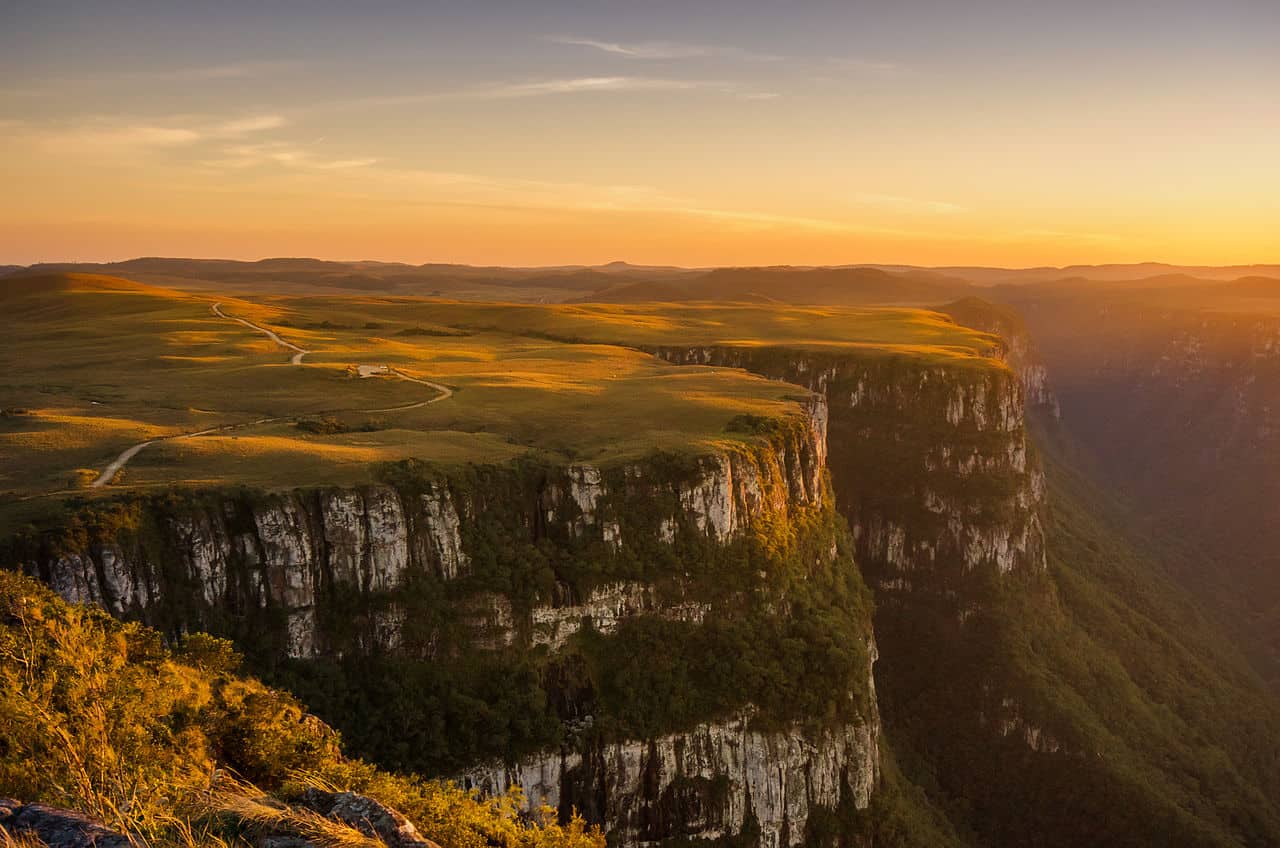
(621, 282)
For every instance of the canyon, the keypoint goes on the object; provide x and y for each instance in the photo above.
(888, 611)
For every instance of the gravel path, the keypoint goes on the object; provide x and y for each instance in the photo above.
(298, 352)
(113, 468)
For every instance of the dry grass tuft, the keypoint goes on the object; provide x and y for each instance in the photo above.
(250, 808)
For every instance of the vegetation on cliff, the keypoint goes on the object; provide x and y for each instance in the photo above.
(1091, 704)
(173, 745)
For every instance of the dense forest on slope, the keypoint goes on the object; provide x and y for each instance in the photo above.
(1171, 391)
(1119, 715)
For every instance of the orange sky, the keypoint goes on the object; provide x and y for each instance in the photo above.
(567, 137)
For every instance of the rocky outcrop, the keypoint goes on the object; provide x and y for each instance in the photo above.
(372, 818)
(279, 559)
(1021, 353)
(715, 780)
(605, 607)
(57, 828)
(931, 461)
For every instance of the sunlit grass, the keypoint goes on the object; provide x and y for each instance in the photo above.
(103, 364)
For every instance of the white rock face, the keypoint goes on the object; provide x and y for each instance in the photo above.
(286, 546)
(604, 608)
(206, 555)
(388, 539)
(778, 778)
(123, 591)
(344, 533)
(709, 502)
(444, 530)
(585, 489)
(490, 620)
(76, 580)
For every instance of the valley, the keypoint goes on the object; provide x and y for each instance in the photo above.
(639, 425)
(737, 573)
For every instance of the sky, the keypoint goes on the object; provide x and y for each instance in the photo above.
(928, 132)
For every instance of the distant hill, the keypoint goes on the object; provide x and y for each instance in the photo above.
(639, 292)
(987, 276)
(825, 286)
(1254, 287)
(314, 276)
(833, 286)
(23, 285)
(622, 282)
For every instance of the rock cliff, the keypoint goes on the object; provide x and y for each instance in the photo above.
(522, 563)
(187, 561)
(931, 461)
(718, 779)
(1021, 353)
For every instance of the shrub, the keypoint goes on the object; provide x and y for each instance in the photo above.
(322, 426)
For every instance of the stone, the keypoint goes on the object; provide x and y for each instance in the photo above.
(58, 828)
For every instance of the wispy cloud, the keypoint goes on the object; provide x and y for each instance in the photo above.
(560, 87)
(280, 153)
(114, 134)
(528, 88)
(117, 138)
(906, 205)
(578, 85)
(252, 124)
(657, 50)
(126, 77)
(443, 188)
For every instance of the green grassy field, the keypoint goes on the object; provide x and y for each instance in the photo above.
(93, 365)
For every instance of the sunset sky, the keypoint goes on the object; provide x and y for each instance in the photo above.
(695, 133)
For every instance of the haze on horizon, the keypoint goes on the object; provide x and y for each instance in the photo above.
(710, 133)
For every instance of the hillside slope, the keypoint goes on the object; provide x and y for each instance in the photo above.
(97, 716)
(1172, 394)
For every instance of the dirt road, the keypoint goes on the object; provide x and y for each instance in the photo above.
(113, 468)
(296, 359)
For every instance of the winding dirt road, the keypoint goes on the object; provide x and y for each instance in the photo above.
(113, 468)
(445, 394)
(299, 352)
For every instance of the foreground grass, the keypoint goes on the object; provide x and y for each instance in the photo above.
(175, 747)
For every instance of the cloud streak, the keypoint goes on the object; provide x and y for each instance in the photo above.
(252, 124)
(528, 89)
(118, 136)
(907, 205)
(556, 87)
(664, 50)
(108, 78)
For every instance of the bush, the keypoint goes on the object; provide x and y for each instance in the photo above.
(322, 426)
(97, 716)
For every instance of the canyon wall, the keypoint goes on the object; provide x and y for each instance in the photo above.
(524, 565)
(932, 464)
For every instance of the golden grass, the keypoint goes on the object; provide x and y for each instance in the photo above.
(251, 808)
(21, 840)
(104, 364)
